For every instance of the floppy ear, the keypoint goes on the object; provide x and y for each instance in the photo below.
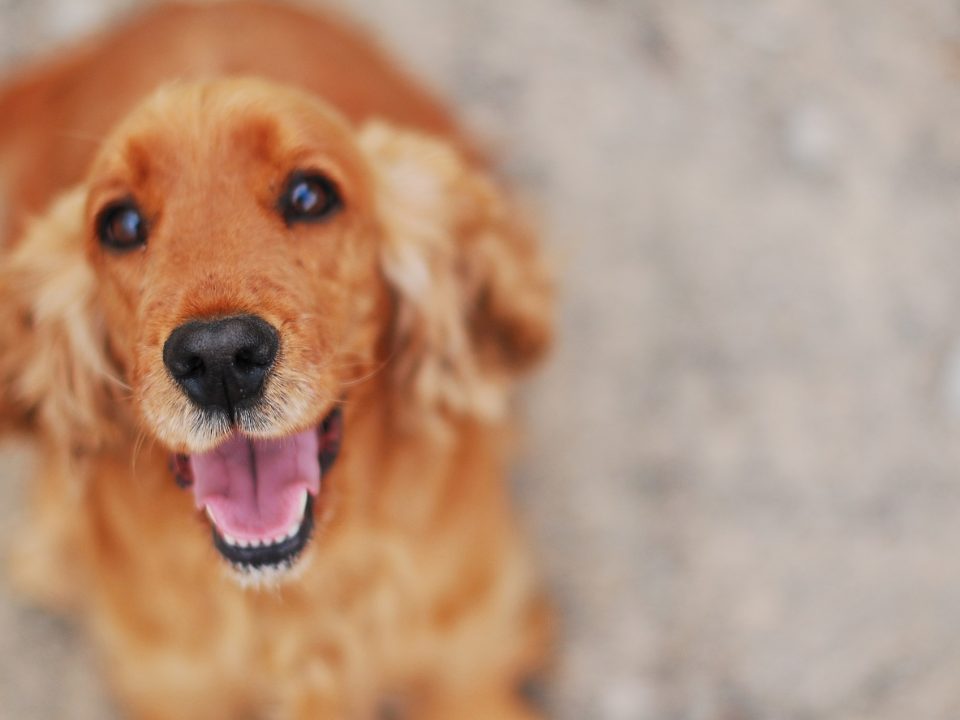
(55, 377)
(473, 294)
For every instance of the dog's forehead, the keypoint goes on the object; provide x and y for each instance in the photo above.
(224, 124)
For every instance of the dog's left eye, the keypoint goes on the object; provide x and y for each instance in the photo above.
(309, 197)
(122, 227)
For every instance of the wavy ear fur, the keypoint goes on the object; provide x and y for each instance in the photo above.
(55, 376)
(474, 297)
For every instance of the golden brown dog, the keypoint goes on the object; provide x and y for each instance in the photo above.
(261, 307)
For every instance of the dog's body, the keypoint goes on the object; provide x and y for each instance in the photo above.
(410, 302)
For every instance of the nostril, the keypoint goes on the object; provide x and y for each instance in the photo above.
(253, 357)
(188, 367)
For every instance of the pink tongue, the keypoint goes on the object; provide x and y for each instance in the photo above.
(254, 488)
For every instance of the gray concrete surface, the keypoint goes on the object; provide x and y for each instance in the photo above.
(743, 470)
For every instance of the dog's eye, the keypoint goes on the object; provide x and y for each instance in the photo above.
(309, 198)
(122, 227)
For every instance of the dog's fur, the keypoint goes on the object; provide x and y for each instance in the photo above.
(415, 307)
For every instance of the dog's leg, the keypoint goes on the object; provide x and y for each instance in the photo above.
(43, 558)
(500, 703)
(505, 690)
(313, 704)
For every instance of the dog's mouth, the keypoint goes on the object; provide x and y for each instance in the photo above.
(259, 495)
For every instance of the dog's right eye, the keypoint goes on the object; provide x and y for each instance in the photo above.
(122, 227)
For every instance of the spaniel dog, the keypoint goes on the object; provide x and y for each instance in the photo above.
(261, 309)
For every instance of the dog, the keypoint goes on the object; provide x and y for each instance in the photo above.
(262, 307)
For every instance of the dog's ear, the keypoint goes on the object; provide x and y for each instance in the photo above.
(473, 293)
(55, 376)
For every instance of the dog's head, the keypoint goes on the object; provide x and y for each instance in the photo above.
(238, 259)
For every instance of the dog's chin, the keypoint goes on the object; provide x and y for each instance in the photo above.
(254, 561)
(261, 497)
(271, 562)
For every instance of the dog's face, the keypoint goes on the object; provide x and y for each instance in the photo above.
(239, 257)
(232, 232)
(233, 238)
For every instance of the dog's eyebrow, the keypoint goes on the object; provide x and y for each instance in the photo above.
(260, 136)
(139, 158)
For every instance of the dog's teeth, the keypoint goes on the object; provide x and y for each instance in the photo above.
(303, 502)
(229, 539)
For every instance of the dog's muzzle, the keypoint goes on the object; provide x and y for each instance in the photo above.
(259, 495)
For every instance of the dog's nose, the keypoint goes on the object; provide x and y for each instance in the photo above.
(222, 363)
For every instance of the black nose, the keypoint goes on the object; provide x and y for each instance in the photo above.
(222, 363)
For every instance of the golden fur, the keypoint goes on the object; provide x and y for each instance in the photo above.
(416, 306)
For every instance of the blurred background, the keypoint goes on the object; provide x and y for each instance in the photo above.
(742, 470)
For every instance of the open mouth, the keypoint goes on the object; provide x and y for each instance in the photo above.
(259, 495)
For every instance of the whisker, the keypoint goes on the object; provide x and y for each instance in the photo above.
(137, 447)
(118, 381)
(373, 373)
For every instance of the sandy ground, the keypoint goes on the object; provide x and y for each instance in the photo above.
(743, 464)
